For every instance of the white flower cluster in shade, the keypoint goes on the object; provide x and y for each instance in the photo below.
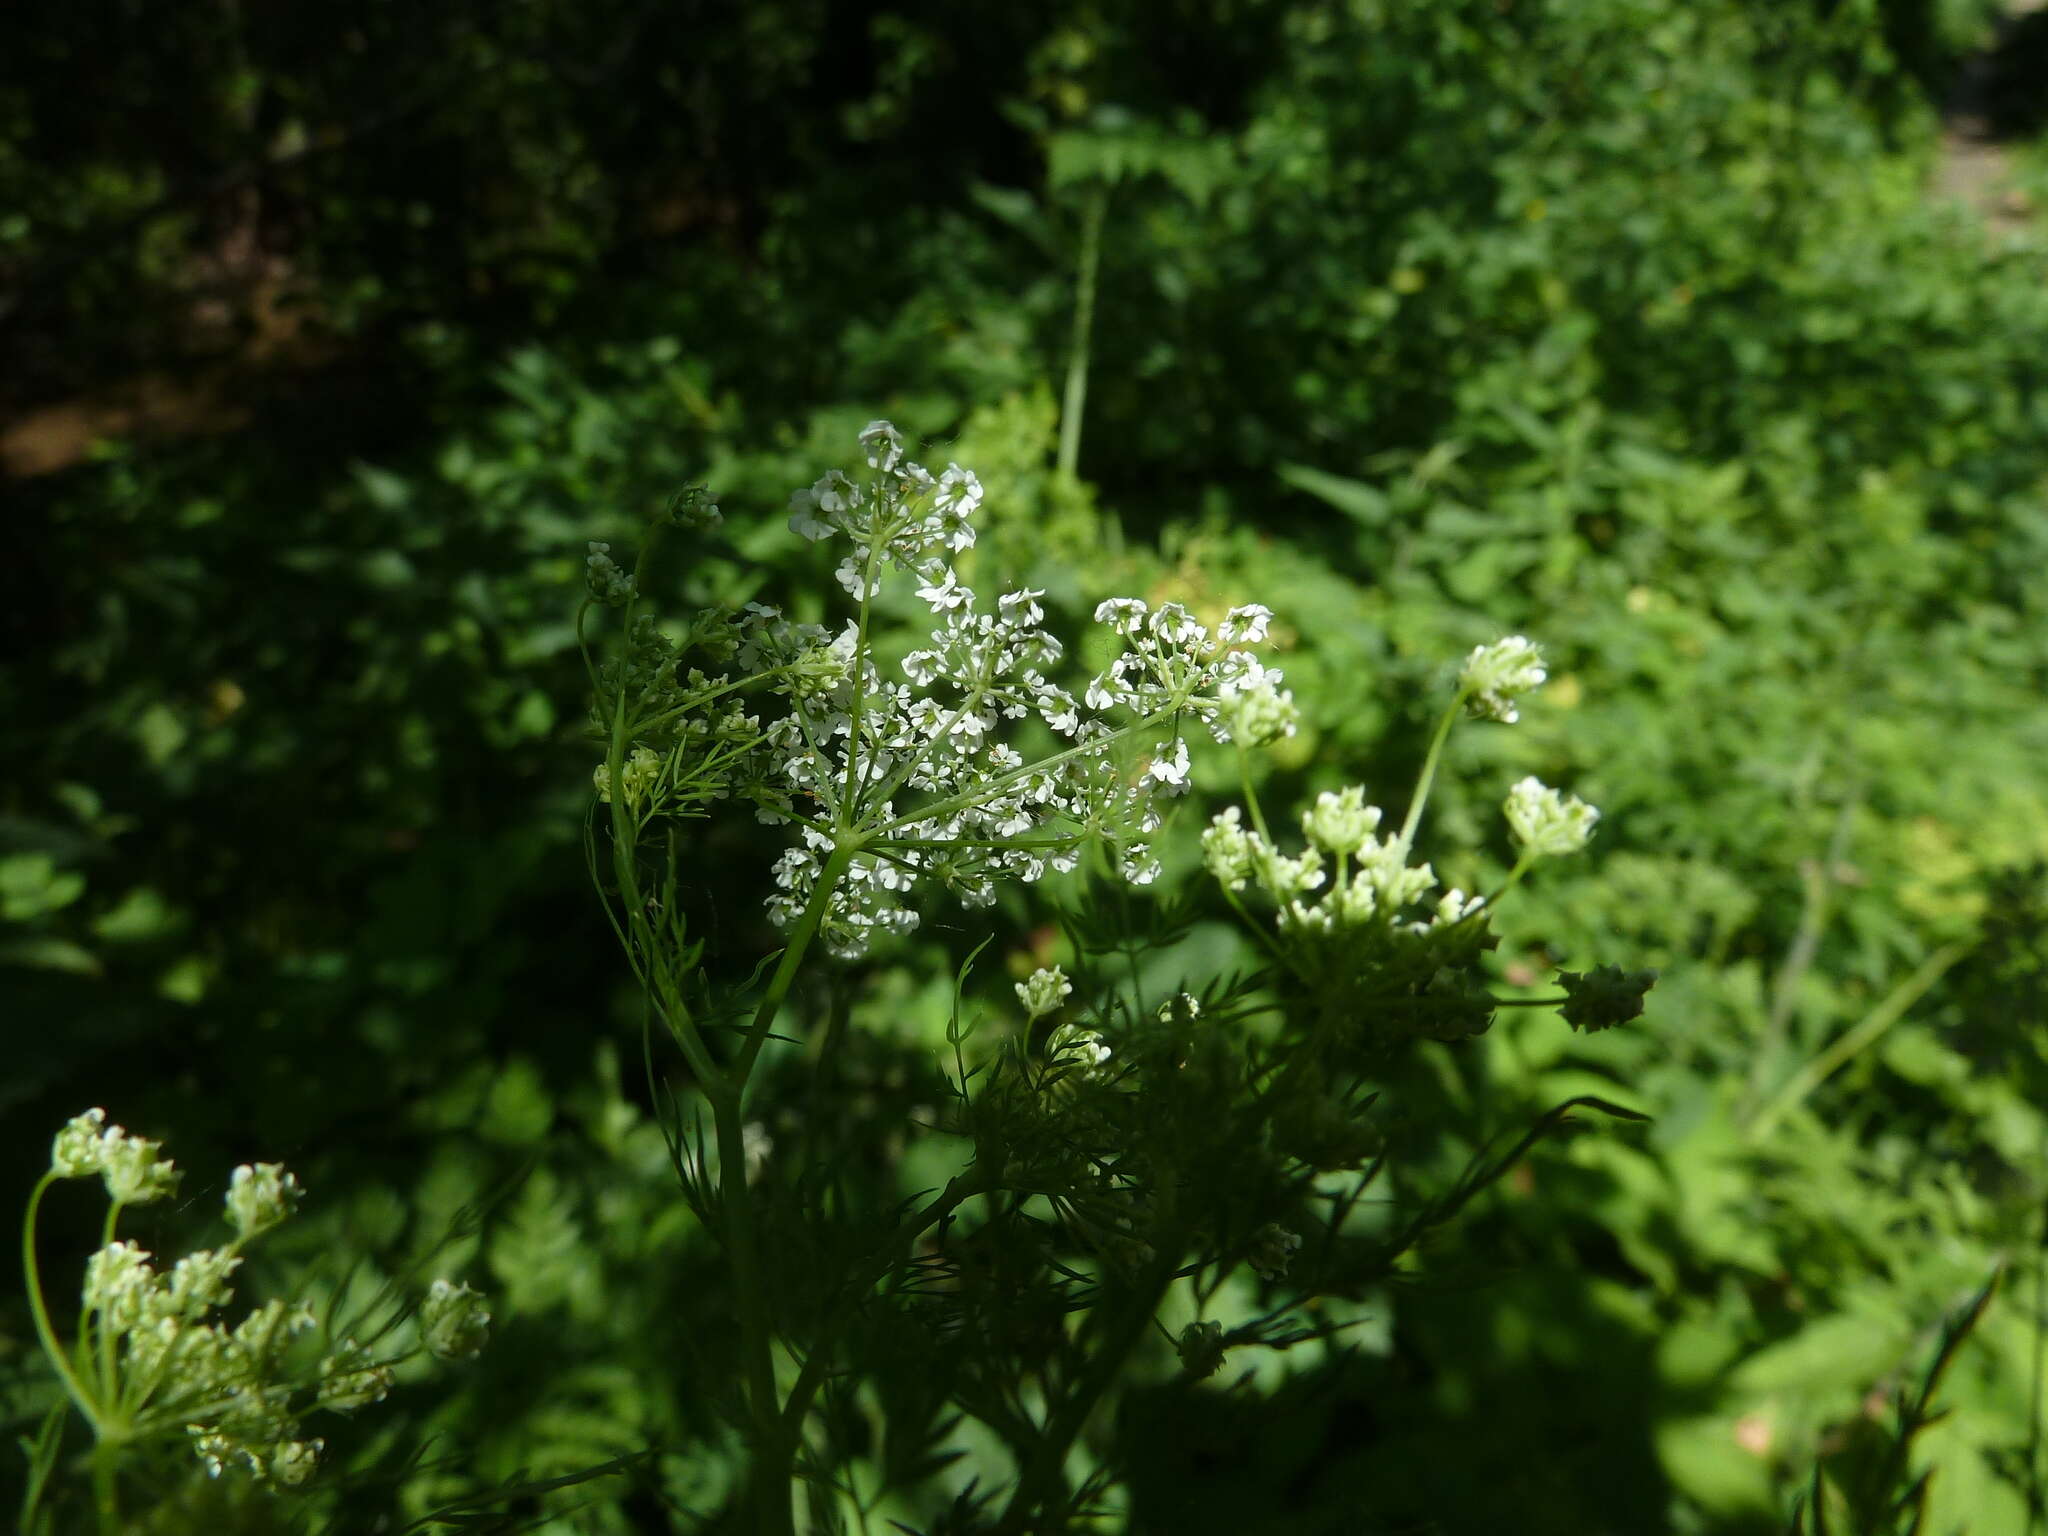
(917, 775)
(1371, 878)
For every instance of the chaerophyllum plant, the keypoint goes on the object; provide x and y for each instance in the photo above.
(154, 1361)
(1136, 1180)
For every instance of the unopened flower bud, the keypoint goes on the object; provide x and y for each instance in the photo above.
(1273, 1249)
(608, 583)
(693, 508)
(1071, 1044)
(1546, 822)
(1262, 714)
(135, 1169)
(1200, 1347)
(293, 1461)
(261, 1195)
(79, 1151)
(1341, 822)
(1495, 674)
(1604, 996)
(454, 1323)
(349, 1379)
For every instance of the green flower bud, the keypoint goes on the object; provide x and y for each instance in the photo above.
(80, 1150)
(454, 1323)
(1603, 997)
(260, 1196)
(1341, 822)
(1273, 1249)
(135, 1169)
(608, 583)
(693, 508)
(1262, 715)
(1495, 673)
(1200, 1347)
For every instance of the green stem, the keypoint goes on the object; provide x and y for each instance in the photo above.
(1074, 405)
(1522, 864)
(956, 1193)
(1045, 1471)
(40, 1311)
(1813, 920)
(1874, 1024)
(772, 1447)
(106, 1493)
(807, 926)
(1428, 777)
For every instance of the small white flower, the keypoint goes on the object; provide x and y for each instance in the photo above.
(1169, 766)
(1283, 878)
(1122, 614)
(884, 445)
(947, 595)
(1245, 625)
(1021, 607)
(119, 1284)
(196, 1285)
(848, 575)
(1547, 823)
(640, 771)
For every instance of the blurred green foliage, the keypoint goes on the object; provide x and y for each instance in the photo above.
(1622, 323)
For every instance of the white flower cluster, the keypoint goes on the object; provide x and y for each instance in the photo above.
(1043, 991)
(855, 743)
(260, 1195)
(221, 1385)
(1495, 673)
(1547, 823)
(181, 1369)
(1371, 879)
(134, 1168)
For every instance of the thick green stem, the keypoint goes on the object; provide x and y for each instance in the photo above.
(773, 1447)
(770, 1448)
(106, 1492)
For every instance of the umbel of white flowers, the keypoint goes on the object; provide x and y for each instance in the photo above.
(914, 779)
(180, 1370)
